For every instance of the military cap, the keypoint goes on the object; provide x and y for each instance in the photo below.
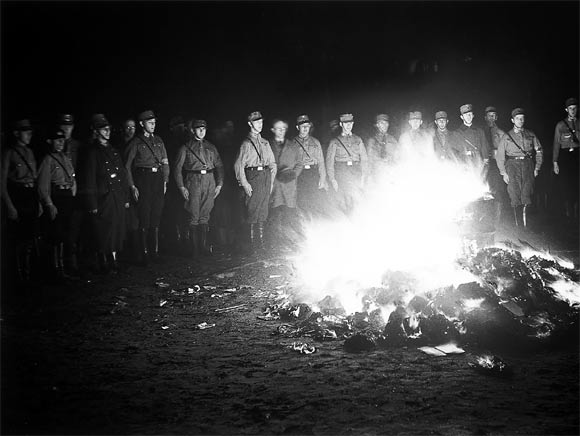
(98, 121)
(198, 123)
(65, 119)
(517, 111)
(145, 116)
(346, 118)
(255, 116)
(23, 125)
(440, 114)
(415, 115)
(465, 108)
(490, 109)
(303, 119)
(571, 101)
(56, 134)
(382, 117)
(176, 121)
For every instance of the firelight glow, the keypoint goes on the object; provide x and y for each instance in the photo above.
(406, 221)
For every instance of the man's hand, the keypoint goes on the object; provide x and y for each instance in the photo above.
(135, 192)
(184, 193)
(322, 184)
(334, 185)
(556, 168)
(247, 189)
(93, 211)
(506, 178)
(164, 188)
(536, 173)
(127, 205)
(218, 189)
(52, 211)
(13, 214)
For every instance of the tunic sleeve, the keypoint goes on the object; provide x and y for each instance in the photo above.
(177, 168)
(44, 172)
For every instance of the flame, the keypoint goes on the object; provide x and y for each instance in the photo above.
(470, 304)
(407, 221)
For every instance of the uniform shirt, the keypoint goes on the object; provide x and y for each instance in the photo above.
(249, 157)
(493, 135)
(382, 148)
(352, 151)
(474, 141)
(310, 153)
(446, 145)
(56, 169)
(72, 149)
(526, 139)
(139, 155)
(564, 135)
(19, 165)
(196, 155)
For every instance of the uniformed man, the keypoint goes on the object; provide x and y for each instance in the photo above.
(347, 165)
(515, 161)
(311, 172)
(57, 189)
(256, 170)
(445, 142)
(148, 173)
(475, 145)
(22, 208)
(105, 192)
(415, 140)
(127, 134)
(565, 157)
(493, 135)
(382, 147)
(199, 176)
(282, 215)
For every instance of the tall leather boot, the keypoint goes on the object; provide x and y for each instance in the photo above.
(143, 254)
(71, 261)
(60, 260)
(194, 240)
(154, 252)
(261, 244)
(516, 215)
(104, 267)
(253, 236)
(203, 233)
(55, 272)
(524, 215)
(113, 261)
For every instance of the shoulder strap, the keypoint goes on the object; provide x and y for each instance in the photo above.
(343, 146)
(256, 148)
(195, 154)
(572, 131)
(150, 149)
(68, 176)
(527, 153)
(25, 161)
(303, 148)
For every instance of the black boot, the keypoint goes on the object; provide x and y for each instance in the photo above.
(193, 241)
(206, 248)
(517, 217)
(71, 261)
(104, 267)
(524, 215)
(55, 272)
(143, 254)
(154, 251)
(114, 264)
(60, 258)
(261, 244)
(253, 237)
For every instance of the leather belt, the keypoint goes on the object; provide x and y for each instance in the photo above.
(148, 170)
(518, 157)
(259, 168)
(62, 187)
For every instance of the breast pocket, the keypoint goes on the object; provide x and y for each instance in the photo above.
(566, 137)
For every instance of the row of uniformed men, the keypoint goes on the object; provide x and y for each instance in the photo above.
(293, 171)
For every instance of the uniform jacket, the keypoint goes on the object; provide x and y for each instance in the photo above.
(382, 148)
(56, 169)
(526, 139)
(474, 141)
(197, 155)
(564, 135)
(344, 149)
(287, 157)
(139, 155)
(254, 151)
(310, 153)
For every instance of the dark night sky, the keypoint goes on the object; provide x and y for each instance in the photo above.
(219, 60)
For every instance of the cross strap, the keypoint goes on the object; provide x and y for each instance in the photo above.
(68, 176)
(25, 161)
(527, 153)
(151, 150)
(303, 148)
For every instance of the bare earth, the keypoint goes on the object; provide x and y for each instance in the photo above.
(109, 357)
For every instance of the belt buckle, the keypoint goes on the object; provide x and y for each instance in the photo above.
(571, 149)
(468, 153)
(349, 163)
(113, 175)
(306, 167)
(260, 168)
(203, 172)
(154, 169)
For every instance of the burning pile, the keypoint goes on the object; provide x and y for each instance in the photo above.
(405, 268)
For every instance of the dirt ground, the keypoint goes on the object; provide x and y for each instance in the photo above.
(106, 355)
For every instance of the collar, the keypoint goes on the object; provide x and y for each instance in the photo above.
(572, 120)
(148, 135)
(346, 135)
(466, 125)
(254, 135)
(518, 130)
(443, 131)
